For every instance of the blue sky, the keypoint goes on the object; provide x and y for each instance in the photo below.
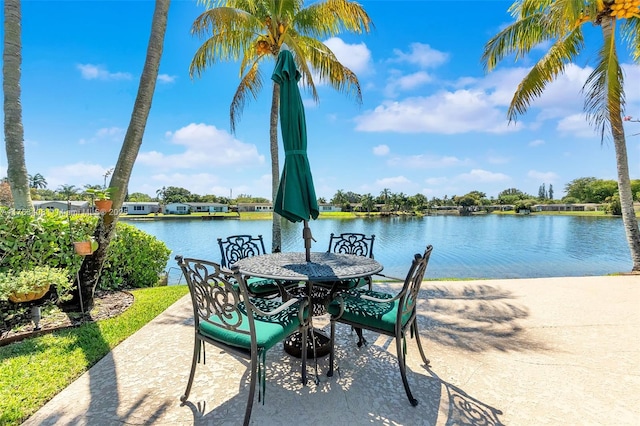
(431, 122)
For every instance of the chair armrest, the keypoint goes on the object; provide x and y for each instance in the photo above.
(388, 276)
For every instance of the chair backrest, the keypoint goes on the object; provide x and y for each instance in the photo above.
(351, 243)
(412, 283)
(238, 247)
(215, 299)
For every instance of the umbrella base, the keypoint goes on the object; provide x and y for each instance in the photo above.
(293, 344)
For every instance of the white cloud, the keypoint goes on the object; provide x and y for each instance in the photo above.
(548, 177)
(444, 112)
(98, 72)
(166, 78)
(576, 125)
(482, 176)
(381, 150)
(536, 142)
(393, 182)
(113, 134)
(86, 173)
(356, 57)
(407, 82)
(422, 55)
(205, 146)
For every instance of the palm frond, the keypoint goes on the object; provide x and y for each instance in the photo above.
(331, 17)
(250, 85)
(518, 38)
(329, 69)
(231, 31)
(604, 94)
(630, 30)
(545, 71)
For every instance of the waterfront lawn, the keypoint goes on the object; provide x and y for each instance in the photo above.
(34, 370)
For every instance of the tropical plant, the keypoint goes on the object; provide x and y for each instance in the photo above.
(37, 181)
(561, 22)
(91, 266)
(15, 286)
(13, 129)
(100, 193)
(257, 30)
(69, 192)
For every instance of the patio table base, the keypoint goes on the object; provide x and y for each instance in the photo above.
(293, 344)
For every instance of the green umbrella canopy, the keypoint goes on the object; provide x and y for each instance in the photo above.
(296, 197)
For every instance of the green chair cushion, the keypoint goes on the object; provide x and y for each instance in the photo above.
(269, 329)
(368, 313)
(259, 286)
(343, 285)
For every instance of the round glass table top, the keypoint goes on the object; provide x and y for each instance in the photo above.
(323, 266)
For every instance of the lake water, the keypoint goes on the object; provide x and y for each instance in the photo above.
(488, 246)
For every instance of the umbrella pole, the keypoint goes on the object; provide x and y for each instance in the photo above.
(306, 235)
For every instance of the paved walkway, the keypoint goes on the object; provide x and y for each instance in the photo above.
(557, 351)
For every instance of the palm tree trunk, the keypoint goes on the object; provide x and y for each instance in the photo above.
(13, 130)
(92, 265)
(632, 230)
(629, 219)
(276, 245)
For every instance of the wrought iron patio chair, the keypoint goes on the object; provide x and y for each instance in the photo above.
(236, 247)
(227, 317)
(350, 243)
(384, 313)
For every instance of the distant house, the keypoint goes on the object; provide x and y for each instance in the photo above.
(255, 207)
(567, 207)
(134, 208)
(177, 208)
(72, 206)
(324, 208)
(186, 208)
(208, 207)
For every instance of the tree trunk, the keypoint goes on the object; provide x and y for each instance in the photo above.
(92, 265)
(276, 245)
(13, 130)
(631, 228)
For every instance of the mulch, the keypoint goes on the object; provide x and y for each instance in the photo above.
(107, 304)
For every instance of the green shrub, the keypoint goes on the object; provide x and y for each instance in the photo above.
(135, 259)
(44, 238)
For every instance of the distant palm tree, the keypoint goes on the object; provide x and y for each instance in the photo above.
(67, 192)
(13, 130)
(257, 30)
(560, 22)
(37, 181)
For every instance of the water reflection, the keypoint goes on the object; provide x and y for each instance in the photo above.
(490, 246)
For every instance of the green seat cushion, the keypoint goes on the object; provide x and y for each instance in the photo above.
(343, 285)
(368, 313)
(259, 286)
(269, 329)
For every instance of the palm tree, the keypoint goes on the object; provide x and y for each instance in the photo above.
(67, 192)
(91, 266)
(37, 181)
(13, 130)
(561, 23)
(255, 31)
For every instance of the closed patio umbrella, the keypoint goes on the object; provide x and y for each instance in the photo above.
(296, 197)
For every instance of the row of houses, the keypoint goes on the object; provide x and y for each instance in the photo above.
(151, 207)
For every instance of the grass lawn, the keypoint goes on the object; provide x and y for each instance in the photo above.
(34, 370)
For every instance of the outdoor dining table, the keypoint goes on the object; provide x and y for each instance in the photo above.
(322, 267)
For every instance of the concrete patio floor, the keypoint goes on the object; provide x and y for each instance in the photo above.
(557, 351)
